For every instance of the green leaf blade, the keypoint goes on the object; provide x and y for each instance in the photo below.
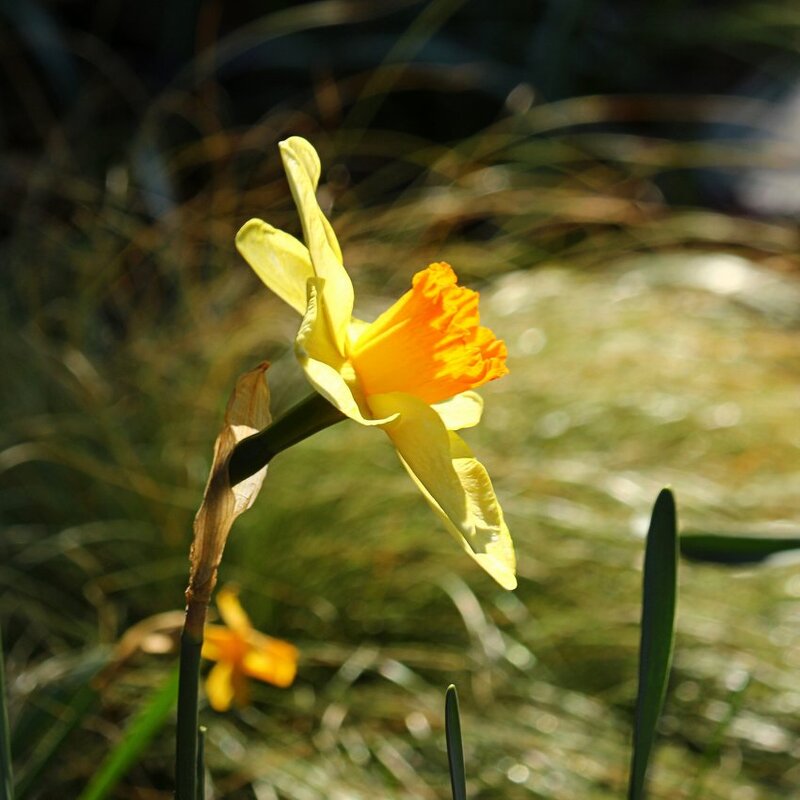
(735, 550)
(455, 748)
(659, 597)
(40, 731)
(146, 723)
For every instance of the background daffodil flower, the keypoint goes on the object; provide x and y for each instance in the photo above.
(241, 652)
(410, 372)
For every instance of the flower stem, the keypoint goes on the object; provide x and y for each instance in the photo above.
(201, 763)
(309, 416)
(188, 683)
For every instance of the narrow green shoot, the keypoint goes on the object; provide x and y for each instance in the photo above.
(455, 749)
(657, 634)
(146, 723)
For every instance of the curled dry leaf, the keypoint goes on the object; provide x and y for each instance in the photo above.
(246, 414)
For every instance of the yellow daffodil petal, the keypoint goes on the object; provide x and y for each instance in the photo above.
(302, 165)
(276, 667)
(498, 558)
(423, 443)
(219, 686)
(282, 262)
(299, 153)
(314, 337)
(330, 384)
(320, 362)
(241, 688)
(217, 642)
(232, 613)
(462, 411)
(260, 641)
(455, 484)
(355, 329)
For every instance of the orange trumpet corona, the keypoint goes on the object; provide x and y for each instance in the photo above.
(429, 343)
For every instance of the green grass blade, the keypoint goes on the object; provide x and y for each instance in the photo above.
(657, 635)
(6, 774)
(734, 549)
(142, 728)
(49, 732)
(455, 748)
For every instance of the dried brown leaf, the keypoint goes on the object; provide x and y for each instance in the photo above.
(246, 414)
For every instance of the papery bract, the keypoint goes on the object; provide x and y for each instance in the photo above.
(246, 414)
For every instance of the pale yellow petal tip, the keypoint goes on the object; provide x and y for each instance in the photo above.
(296, 144)
(501, 572)
(252, 225)
(231, 611)
(303, 151)
(254, 232)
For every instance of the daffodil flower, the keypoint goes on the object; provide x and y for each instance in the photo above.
(241, 652)
(410, 372)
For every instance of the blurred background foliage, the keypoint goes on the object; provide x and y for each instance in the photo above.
(619, 181)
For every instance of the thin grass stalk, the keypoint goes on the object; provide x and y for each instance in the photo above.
(144, 724)
(186, 735)
(47, 748)
(6, 774)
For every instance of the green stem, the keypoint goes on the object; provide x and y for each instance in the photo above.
(201, 763)
(186, 734)
(6, 775)
(309, 416)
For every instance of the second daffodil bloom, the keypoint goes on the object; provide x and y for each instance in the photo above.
(241, 652)
(411, 372)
